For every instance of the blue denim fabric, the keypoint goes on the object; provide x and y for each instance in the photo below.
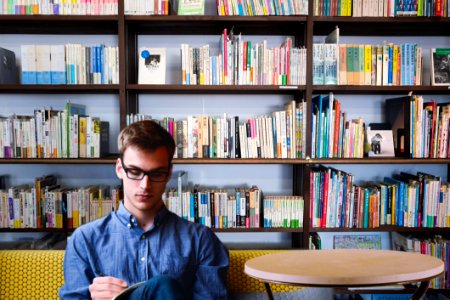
(116, 246)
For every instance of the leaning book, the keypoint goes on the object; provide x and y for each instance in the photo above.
(440, 66)
(152, 65)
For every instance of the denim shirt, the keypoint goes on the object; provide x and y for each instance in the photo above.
(116, 246)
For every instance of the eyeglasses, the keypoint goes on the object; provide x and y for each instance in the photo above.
(138, 174)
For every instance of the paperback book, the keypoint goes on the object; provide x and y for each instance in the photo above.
(152, 65)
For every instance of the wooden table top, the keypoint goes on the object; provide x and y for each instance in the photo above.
(343, 267)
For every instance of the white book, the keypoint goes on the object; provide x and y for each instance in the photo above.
(57, 64)
(152, 65)
(43, 64)
(28, 55)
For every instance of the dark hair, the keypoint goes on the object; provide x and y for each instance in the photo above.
(146, 135)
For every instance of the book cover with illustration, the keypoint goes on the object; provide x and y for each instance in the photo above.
(152, 65)
(440, 66)
(191, 7)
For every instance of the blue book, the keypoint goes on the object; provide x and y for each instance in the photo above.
(317, 110)
(400, 200)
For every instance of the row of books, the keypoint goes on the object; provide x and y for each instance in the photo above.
(69, 64)
(45, 204)
(242, 62)
(356, 64)
(147, 7)
(54, 134)
(237, 208)
(217, 208)
(429, 136)
(280, 135)
(283, 211)
(333, 135)
(437, 246)
(262, 8)
(381, 8)
(404, 199)
(59, 7)
(421, 128)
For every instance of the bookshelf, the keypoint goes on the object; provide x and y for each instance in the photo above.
(130, 97)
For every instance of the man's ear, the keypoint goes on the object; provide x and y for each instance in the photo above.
(119, 169)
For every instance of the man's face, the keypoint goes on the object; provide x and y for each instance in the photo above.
(144, 196)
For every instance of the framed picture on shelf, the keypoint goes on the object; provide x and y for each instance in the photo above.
(440, 66)
(152, 65)
(359, 241)
(381, 143)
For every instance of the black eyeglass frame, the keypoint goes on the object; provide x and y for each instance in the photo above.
(145, 173)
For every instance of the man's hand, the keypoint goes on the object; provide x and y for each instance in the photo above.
(106, 287)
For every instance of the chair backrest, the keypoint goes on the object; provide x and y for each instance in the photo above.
(31, 274)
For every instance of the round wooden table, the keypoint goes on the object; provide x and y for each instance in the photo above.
(345, 268)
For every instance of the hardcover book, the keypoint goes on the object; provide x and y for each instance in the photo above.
(152, 65)
(8, 67)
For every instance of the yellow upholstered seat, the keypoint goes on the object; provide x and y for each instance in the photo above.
(30, 274)
(238, 281)
(38, 274)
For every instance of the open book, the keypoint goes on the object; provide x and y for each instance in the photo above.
(126, 292)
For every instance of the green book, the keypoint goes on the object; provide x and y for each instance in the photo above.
(191, 7)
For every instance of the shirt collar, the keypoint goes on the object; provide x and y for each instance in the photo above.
(130, 221)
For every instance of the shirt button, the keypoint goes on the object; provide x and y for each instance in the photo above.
(129, 225)
(143, 237)
(142, 258)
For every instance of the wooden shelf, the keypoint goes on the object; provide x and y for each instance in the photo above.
(51, 230)
(214, 25)
(380, 160)
(214, 89)
(383, 26)
(111, 159)
(384, 228)
(59, 88)
(70, 161)
(43, 24)
(364, 89)
(214, 229)
(257, 229)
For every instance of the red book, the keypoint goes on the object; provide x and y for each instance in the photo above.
(326, 184)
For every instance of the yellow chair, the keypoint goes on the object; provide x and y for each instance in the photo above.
(38, 274)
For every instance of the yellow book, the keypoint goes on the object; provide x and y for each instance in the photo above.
(349, 8)
(395, 66)
(58, 210)
(367, 64)
(82, 127)
(393, 190)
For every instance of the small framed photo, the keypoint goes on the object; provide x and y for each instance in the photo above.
(360, 241)
(440, 66)
(381, 143)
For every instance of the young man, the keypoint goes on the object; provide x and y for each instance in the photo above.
(143, 240)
